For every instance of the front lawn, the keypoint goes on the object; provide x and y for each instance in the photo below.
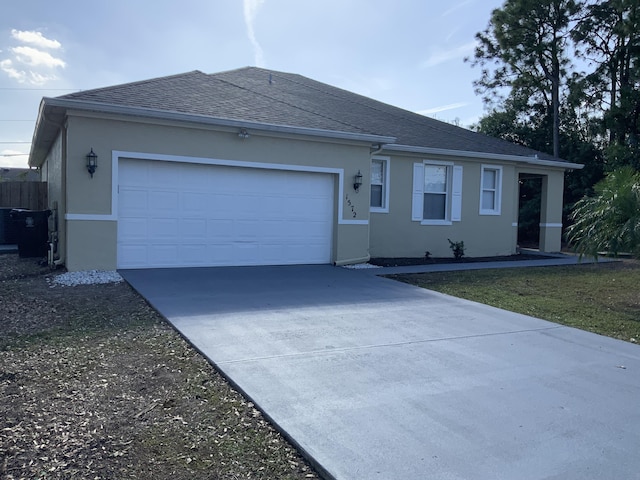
(602, 298)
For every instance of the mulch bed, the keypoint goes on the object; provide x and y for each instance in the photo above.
(411, 261)
(94, 384)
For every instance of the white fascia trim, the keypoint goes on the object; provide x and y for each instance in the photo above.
(482, 156)
(436, 222)
(214, 121)
(90, 217)
(116, 155)
(353, 222)
(551, 225)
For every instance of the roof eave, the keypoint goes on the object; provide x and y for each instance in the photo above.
(531, 160)
(83, 105)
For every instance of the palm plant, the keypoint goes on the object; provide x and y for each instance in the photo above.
(609, 221)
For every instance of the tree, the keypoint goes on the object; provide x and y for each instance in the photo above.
(608, 39)
(609, 221)
(525, 51)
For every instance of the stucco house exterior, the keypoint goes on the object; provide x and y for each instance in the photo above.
(257, 167)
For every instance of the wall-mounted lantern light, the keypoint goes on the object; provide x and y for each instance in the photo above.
(357, 181)
(92, 162)
(243, 134)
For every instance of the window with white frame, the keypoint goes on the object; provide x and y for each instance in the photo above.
(380, 184)
(437, 193)
(490, 190)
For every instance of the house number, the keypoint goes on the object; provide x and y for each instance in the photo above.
(351, 206)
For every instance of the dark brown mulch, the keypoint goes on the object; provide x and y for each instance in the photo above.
(409, 261)
(94, 384)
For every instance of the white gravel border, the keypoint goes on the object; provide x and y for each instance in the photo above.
(361, 266)
(89, 277)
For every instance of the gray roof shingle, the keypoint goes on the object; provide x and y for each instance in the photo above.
(258, 95)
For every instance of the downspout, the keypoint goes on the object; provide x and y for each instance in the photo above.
(378, 147)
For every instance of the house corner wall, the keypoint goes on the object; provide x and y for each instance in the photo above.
(551, 212)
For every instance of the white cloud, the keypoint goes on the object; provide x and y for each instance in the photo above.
(35, 38)
(442, 56)
(34, 57)
(442, 108)
(251, 8)
(457, 7)
(28, 64)
(7, 67)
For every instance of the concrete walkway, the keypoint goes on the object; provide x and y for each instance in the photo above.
(545, 260)
(376, 379)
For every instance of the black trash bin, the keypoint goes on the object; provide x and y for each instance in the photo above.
(32, 231)
(7, 229)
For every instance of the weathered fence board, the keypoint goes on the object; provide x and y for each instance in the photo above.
(30, 195)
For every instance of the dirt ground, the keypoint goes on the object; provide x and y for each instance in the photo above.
(94, 384)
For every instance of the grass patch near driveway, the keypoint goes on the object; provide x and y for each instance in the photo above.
(602, 298)
(94, 384)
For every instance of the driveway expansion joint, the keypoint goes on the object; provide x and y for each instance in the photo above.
(333, 350)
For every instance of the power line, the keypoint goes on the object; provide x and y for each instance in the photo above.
(42, 89)
(17, 120)
(14, 154)
(11, 143)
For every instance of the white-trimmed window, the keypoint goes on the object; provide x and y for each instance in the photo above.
(380, 184)
(437, 193)
(490, 190)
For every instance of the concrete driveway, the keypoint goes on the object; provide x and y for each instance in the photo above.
(372, 378)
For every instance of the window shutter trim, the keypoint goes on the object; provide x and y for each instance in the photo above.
(417, 203)
(456, 194)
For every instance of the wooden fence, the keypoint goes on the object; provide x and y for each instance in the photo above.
(30, 195)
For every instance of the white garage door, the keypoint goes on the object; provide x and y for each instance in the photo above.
(175, 214)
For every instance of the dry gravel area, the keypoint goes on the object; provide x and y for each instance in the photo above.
(95, 385)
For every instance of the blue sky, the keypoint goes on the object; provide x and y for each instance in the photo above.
(408, 53)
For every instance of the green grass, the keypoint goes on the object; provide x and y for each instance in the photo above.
(602, 298)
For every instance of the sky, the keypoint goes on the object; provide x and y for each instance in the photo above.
(408, 53)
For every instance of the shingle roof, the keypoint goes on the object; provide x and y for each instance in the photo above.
(258, 95)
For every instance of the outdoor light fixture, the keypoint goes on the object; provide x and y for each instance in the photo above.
(92, 162)
(357, 181)
(243, 134)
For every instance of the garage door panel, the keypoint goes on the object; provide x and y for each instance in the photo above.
(191, 228)
(164, 228)
(195, 203)
(219, 229)
(192, 254)
(164, 174)
(134, 200)
(164, 200)
(132, 255)
(134, 228)
(173, 214)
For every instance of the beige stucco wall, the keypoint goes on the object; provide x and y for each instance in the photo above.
(92, 196)
(394, 234)
(551, 206)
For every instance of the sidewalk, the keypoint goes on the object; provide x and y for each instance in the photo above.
(558, 259)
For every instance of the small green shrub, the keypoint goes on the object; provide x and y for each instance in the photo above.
(457, 248)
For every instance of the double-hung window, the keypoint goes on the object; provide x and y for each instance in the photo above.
(490, 190)
(437, 193)
(380, 184)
